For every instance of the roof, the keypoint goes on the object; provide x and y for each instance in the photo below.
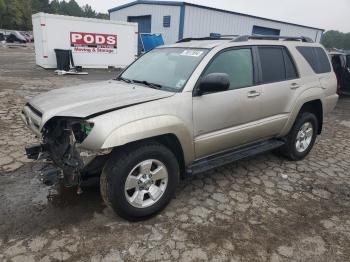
(177, 3)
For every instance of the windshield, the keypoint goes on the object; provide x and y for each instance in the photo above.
(164, 68)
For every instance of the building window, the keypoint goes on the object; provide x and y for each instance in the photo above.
(166, 21)
(259, 30)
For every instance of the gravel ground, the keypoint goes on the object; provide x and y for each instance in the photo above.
(260, 209)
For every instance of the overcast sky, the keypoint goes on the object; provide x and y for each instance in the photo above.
(325, 14)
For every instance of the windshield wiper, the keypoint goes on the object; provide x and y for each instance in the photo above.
(125, 80)
(151, 85)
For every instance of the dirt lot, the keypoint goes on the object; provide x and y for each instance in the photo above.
(260, 209)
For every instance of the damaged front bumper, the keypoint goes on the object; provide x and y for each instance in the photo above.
(73, 169)
(62, 139)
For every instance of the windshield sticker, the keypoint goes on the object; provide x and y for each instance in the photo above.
(192, 53)
(180, 83)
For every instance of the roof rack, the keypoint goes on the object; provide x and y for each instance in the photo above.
(244, 38)
(221, 37)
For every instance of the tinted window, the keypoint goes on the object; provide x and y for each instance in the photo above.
(238, 64)
(348, 61)
(272, 64)
(291, 71)
(317, 58)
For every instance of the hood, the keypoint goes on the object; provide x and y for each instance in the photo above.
(90, 99)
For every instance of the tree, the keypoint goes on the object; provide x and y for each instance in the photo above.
(40, 6)
(102, 16)
(336, 39)
(2, 6)
(88, 11)
(16, 14)
(12, 16)
(25, 11)
(2, 11)
(54, 7)
(73, 9)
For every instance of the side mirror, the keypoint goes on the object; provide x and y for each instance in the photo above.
(215, 82)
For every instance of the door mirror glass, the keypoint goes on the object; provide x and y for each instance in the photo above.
(215, 82)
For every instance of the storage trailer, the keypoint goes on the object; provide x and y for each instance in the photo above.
(95, 43)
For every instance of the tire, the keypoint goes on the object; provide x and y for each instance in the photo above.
(291, 150)
(125, 167)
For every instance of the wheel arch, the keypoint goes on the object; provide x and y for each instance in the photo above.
(313, 105)
(168, 130)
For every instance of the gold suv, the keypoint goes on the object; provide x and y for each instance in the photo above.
(183, 109)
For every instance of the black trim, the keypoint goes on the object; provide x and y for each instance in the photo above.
(231, 155)
(118, 108)
(223, 37)
(284, 49)
(245, 38)
(255, 70)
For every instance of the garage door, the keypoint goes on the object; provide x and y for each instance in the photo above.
(144, 23)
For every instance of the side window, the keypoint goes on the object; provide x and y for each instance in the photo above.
(317, 58)
(238, 64)
(291, 71)
(323, 62)
(272, 64)
(348, 61)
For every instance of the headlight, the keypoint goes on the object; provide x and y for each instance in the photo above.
(81, 130)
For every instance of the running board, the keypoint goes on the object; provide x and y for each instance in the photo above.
(230, 156)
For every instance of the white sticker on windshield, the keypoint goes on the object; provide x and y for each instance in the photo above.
(181, 83)
(192, 53)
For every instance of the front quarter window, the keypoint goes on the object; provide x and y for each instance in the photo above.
(165, 68)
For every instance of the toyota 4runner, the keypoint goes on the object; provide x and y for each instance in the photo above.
(183, 109)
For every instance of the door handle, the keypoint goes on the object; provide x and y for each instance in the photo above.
(294, 86)
(252, 94)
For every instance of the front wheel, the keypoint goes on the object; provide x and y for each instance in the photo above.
(301, 138)
(140, 181)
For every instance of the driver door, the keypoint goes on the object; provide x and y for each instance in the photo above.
(223, 120)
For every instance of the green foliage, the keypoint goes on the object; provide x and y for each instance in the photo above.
(88, 11)
(40, 6)
(336, 39)
(16, 14)
(2, 6)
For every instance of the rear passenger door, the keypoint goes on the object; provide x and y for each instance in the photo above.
(281, 85)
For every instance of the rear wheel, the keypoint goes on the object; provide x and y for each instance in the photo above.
(140, 181)
(301, 138)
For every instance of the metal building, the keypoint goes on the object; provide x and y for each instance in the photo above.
(177, 20)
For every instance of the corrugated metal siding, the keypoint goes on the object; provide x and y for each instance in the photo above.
(201, 22)
(157, 12)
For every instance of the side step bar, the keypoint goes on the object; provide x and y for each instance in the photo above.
(229, 156)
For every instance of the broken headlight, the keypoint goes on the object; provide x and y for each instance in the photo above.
(81, 130)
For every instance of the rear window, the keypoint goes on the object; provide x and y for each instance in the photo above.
(276, 64)
(317, 58)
